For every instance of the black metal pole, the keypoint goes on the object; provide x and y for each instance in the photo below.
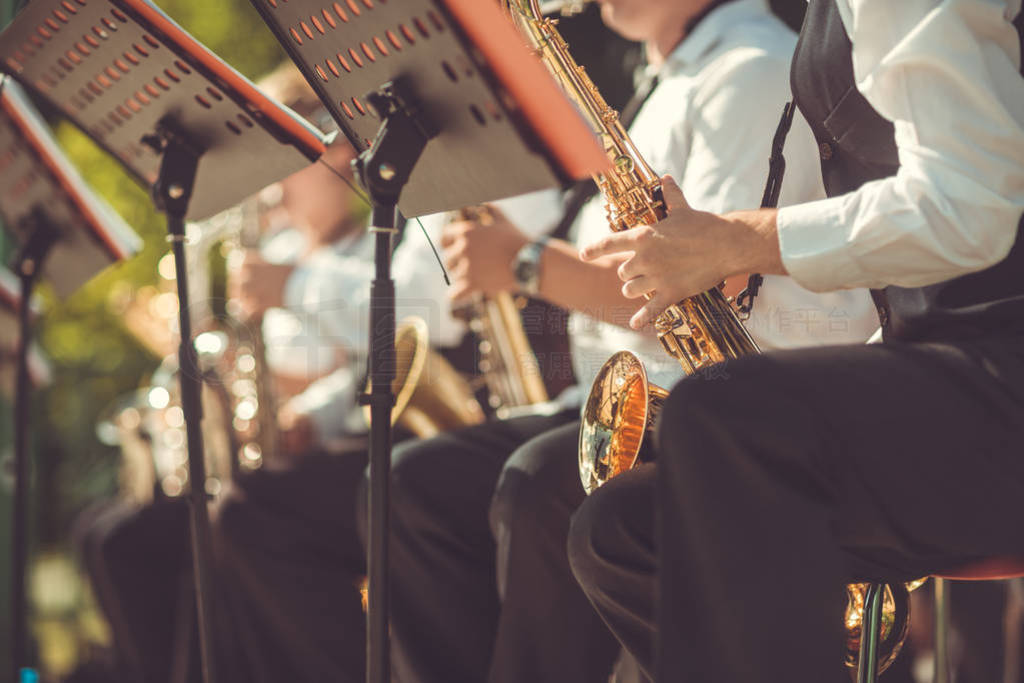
(171, 193)
(41, 237)
(190, 379)
(19, 551)
(381, 399)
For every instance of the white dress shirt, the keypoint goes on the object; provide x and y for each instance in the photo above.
(710, 124)
(296, 344)
(945, 72)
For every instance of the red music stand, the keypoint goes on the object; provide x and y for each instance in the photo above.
(188, 127)
(447, 109)
(66, 234)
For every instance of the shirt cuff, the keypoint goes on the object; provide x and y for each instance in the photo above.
(815, 246)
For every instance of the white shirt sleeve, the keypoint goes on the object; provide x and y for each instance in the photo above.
(945, 72)
(727, 171)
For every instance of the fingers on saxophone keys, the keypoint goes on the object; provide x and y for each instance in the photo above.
(648, 312)
(673, 194)
(633, 265)
(638, 286)
(627, 240)
(455, 257)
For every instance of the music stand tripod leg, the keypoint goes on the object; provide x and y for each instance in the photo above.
(384, 170)
(381, 401)
(171, 194)
(42, 237)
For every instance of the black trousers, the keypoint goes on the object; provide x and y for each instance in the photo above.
(138, 562)
(290, 565)
(481, 584)
(790, 475)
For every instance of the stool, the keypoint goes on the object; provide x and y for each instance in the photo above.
(992, 569)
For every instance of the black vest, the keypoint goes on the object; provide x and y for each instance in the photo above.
(857, 145)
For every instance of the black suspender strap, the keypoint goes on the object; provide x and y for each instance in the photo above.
(769, 200)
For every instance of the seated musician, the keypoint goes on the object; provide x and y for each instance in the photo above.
(804, 471)
(482, 586)
(138, 556)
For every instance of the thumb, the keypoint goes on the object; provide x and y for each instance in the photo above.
(672, 194)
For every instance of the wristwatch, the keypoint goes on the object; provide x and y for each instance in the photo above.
(526, 266)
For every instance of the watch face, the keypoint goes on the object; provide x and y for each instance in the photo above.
(525, 272)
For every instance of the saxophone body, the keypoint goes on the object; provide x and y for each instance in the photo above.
(698, 332)
(507, 363)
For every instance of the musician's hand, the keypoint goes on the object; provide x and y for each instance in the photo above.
(258, 285)
(689, 252)
(479, 256)
(296, 431)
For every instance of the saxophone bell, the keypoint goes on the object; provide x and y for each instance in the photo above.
(430, 395)
(619, 412)
(895, 621)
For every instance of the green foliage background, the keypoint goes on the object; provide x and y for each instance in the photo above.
(95, 359)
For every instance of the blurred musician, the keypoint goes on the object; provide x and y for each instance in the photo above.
(483, 589)
(138, 556)
(886, 461)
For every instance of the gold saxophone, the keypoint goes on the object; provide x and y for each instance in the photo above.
(507, 363)
(698, 331)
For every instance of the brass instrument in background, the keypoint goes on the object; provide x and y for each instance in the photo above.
(430, 395)
(247, 379)
(148, 425)
(507, 364)
(698, 331)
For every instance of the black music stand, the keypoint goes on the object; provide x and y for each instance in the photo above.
(39, 369)
(187, 126)
(447, 109)
(66, 234)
